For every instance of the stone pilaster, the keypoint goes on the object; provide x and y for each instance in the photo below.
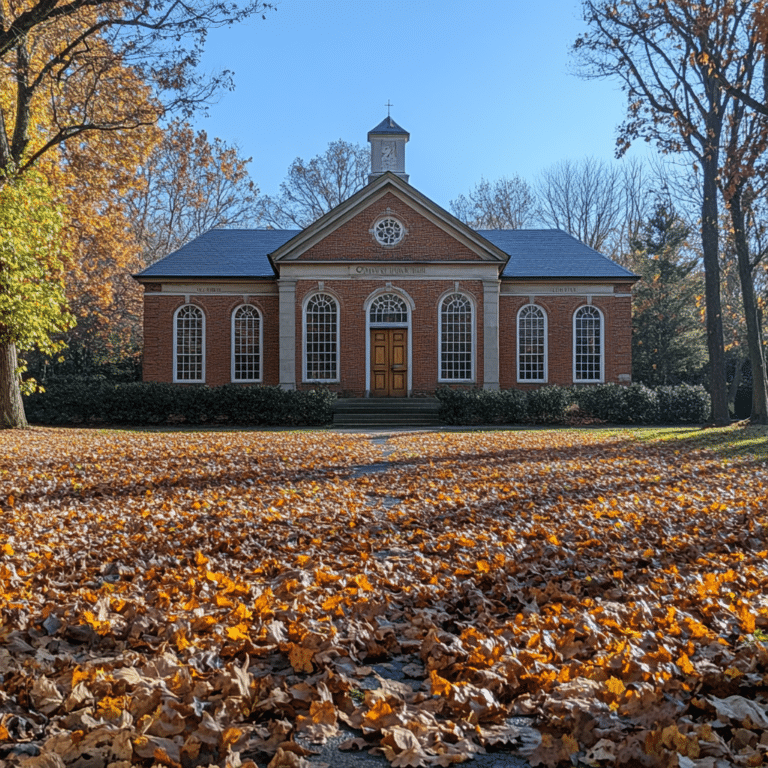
(287, 292)
(491, 334)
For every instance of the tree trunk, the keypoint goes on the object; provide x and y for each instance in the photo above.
(710, 247)
(11, 405)
(734, 388)
(754, 336)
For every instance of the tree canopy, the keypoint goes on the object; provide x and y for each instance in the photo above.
(506, 203)
(32, 301)
(92, 72)
(315, 187)
(654, 49)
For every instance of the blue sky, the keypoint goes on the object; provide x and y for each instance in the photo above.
(485, 88)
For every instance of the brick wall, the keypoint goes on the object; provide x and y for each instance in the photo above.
(352, 296)
(158, 336)
(617, 317)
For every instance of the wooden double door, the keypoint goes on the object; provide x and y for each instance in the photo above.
(389, 362)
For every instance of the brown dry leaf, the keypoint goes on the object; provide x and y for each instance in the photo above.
(223, 590)
(741, 710)
(301, 658)
(45, 696)
(286, 759)
(403, 750)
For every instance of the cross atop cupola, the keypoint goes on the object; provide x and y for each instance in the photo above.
(387, 141)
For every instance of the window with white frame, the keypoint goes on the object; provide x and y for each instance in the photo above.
(588, 344)
(388, 309)
(246, 344)
(456, 331)
(531, 344)
(188, 344)
(321, 338)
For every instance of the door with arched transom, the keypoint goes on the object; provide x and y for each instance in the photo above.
(388, 321)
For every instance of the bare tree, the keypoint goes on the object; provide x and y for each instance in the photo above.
(315, 187)
(654, 49)
(507, 203)
(584, 198)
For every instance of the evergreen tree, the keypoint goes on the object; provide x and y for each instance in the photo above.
(668, 336)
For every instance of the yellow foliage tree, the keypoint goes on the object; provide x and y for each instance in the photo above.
(82, 77)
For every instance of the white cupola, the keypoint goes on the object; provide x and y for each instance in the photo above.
(387, 141)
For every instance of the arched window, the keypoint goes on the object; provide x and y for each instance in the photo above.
(456, 331)
(388, 309)
(588, 344)
(246, 344)
(189, 344)
(531, 344)
(321, 338)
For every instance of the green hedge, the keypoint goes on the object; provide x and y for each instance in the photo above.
(94, 401)
(462, 407)
(612, 403)
(638, 404)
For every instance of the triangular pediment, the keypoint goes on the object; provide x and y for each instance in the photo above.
(347, 232)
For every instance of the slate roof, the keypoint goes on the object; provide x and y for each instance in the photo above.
(243, 253)
(388, 125)
(223, 253)
(551, 253)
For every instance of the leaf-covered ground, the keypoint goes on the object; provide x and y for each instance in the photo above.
(222, 598)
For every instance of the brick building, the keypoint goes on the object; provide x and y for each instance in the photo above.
(387, 295)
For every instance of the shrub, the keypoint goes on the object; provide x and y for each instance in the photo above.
(96, 401)
(547, 405)
(638, 404)
(641, 405)
(684, 404)
(603, 401)
(514, 406)
(462, 407)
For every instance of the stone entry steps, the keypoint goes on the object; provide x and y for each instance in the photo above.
(364, 412)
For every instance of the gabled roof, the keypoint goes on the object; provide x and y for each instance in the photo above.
(245, 253)
(223, 253)
(551, 253)
(388, 125)
(389, 182)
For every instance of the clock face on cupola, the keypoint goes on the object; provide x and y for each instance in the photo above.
(388, 156)
(388, 141)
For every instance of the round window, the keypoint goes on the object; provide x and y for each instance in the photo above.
(388, 231)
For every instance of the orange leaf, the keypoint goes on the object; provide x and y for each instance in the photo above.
(685, 664)
(239, 632)
(230, 736)
(440, 686)
(200, 558)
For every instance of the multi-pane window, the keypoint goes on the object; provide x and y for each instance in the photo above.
(588, 346)
(456, 338)
(321, 334)
(531, 344)
(188, 344)
(388, 309)
(246, 344)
